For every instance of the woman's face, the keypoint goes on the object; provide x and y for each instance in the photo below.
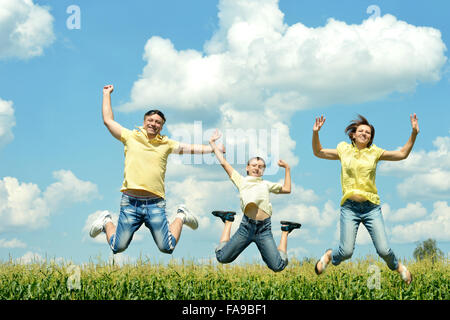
(256, 168)
(362, 135)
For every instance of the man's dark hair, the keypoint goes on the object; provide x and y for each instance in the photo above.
(354, 124)
(159, 113)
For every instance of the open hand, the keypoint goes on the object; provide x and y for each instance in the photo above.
(414, 123)
(319, 123)
(215, 136)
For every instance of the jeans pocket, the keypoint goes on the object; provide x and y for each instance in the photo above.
(125, 201)
(161, 204)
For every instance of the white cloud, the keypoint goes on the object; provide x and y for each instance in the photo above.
(69, 189)
(25, 29)
(309, 216)
(257, 61)
(21, 205)
(426, 174)
(202, 197)
(24, 206)
(7, 122)
(412, 211)
(13, 243)
(436, 226)
(30, 257)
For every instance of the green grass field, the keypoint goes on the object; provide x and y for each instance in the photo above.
(360, 279)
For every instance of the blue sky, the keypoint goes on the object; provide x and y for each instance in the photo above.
(250, 65)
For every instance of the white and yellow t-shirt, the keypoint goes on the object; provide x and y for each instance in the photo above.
(255, 190)
(358, 170)
(145, 160)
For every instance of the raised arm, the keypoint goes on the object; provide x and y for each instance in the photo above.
(330, 154)
(219, 153)
(403, 153)
(108, 117)
(287, 177)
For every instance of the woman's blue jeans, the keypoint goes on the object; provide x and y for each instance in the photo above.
(369, 214)
(256, 231)
(133, 213)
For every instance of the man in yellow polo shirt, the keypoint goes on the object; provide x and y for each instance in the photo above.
(143, 192)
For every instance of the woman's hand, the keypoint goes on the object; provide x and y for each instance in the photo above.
(318, 124)
(414, 123)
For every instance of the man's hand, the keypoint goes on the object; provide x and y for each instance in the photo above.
(108, 89)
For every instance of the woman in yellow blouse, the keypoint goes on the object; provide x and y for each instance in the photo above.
(360, 202)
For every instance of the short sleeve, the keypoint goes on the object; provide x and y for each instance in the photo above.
(274, 187)
(341, 148)
(377, 152)
(237, 179)
(173, 145)
(125, 134)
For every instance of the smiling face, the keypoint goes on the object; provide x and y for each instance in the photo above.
(362, 135)
(153, 125)
(255, 167)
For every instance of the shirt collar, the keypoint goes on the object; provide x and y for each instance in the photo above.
(158, 137)
(253, 179)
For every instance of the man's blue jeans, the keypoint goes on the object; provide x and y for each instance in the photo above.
(256, 231)
(352, 214)
(136, 211)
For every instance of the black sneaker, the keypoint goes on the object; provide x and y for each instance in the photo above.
(289, 226)
(224, 215)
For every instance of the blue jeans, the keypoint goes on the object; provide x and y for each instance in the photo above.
(250, 231)
(352, 214)
(136, 211)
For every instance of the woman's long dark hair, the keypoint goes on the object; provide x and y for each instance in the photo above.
(354, 124)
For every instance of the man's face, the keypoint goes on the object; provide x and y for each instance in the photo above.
(153, 124)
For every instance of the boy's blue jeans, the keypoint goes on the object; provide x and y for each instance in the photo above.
(256, 231)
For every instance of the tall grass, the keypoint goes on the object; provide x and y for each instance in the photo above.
(188, 280)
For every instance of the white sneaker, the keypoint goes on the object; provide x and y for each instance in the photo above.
(188, 218)
(98, 225)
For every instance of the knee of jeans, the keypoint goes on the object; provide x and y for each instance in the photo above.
(281, 264)
(119, 248)
(166, 250)
(384, 252)
(220, 255)
(346, 253)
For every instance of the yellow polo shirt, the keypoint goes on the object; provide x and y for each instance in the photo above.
(145, 160)
(358, 170)
(255, 190)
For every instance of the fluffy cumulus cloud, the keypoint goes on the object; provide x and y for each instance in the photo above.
(25, 29)
(24, 206)
(429, 170)
(255, 60)
(436, 226)
(13, 243)
(7, 121)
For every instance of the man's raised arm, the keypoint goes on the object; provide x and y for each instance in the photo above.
(108, 116)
